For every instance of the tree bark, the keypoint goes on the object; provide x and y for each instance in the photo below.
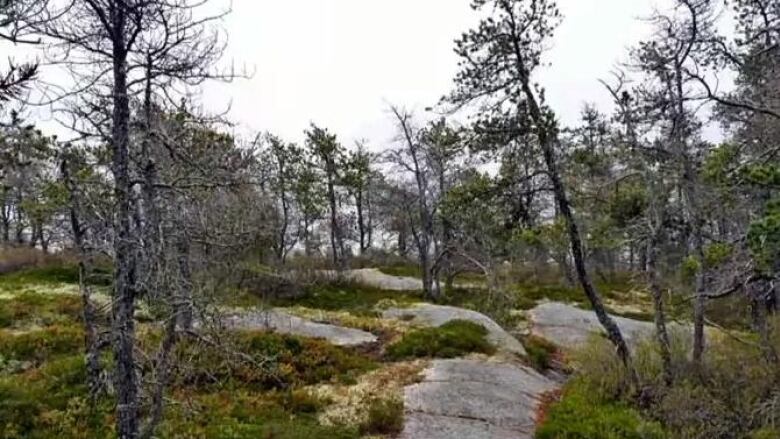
(546, 139)
(91, 340)
(124, 248)
(336, 240)
(661, 333)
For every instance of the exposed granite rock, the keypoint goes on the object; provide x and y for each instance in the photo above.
(284, 323)
(371, 277)
(474, 399)
(436, 315)
(570, 327)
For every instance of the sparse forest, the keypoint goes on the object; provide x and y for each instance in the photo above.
(488, 272)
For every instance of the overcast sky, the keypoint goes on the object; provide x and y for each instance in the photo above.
(340, 62)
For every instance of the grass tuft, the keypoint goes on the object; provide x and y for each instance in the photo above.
(385, 416)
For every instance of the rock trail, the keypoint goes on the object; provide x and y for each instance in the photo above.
(466, 398)
(474, 399)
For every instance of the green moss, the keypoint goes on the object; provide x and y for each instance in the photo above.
(240, 415)
(385, 416)
(52, 275)
(345, 296)
(299, 401)
(285, 361)
(766, 433)
(39, 309)
(50, 402)
(581, 416)
(532, 293)
(540, 352)
(412, 270)
(402, 270)
(39, 346)
(453, 339)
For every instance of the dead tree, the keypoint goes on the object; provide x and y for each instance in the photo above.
(410, 158)
(115, 49)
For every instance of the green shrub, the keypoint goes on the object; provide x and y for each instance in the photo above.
(385, 416)
(711, 402)
(347, 296)
(299, 401)
(39, 309)
(409, 270)
(49, 402)
(765, 433)
(580, 415)
(540, 352)
(244, 414)
(41, 345)
(453, 339)
(278, 362)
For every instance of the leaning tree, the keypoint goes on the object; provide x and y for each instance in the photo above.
(498, 61)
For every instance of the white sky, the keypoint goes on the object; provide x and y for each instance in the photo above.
(340, 63)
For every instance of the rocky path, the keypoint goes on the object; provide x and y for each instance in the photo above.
(474, 399)
(467, 398)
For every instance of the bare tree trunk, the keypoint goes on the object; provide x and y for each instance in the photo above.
(184, 306)
(361, 221)
(19, 232)
(402, 237)
(162, 370)
(91, 339)
(124, 245)
(336, 239)
(760, 303)
(370, 219)
(699, 310)
(662, 336)
(544, 133)
(700, 301)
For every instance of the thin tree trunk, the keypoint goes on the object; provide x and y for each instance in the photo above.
(360, 219)
(662, 336)
(544, 132)
(402, 249)
(91, 341)
(125, 263)
(336, 240)
(162, 370)
(760, 302)
(184, 304)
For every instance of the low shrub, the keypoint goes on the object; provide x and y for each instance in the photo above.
(385, 416)
(580, 415)
(244, 414)
(733, 394)
(347, 296)
(540, 352)
(38, 346)
(50, 402)
(453, 339)
(299, 401)
(17, 258)
(402, 270)
(39, 309)
(277, 362)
